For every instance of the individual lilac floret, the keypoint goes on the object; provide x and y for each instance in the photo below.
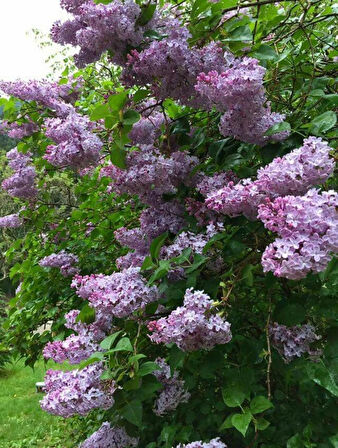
(21, 183)
(76, 392)
(62, 260)
(173, 393)
(214, 443)
(119, 294)
(192, 326)
(293, 342)
(11, 221)
(239, 92)
(108, 437)
(77, 145)
(308, 226)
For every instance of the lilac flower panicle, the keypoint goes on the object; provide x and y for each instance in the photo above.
(76, 392)
(62, 260)
(308, 227)
(77, 146)
(21, 183)
(11, 221)
(173, 392)
(108, 437)
(293, 342)
(192, 326)
(18, 131)
(119, 294)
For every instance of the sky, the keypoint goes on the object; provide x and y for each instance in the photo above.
(20, 55)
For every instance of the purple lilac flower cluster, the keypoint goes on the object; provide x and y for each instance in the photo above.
(97, 28)
(76, 392)
(308, 227)
(119, 294)
(77, 348)
(11, 221)
(108, 437)
(18, 131)
(77, 146)
(62, 260)
(293, 342)
(173, 392)
(21, 183)
(294, 173)
(214, 443)
(192, 326)
(238, 91)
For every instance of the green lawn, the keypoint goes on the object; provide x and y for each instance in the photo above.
(22, 423)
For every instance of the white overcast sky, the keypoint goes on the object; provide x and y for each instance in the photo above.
(20, 56)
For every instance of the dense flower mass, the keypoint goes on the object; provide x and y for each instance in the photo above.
(97, 28)
(173, 392)
(77, 348)
(308, 226)
(18, 131)
(44, 93)
(62, 260)
(76, 392)
(21, 183)
(293, 342)
(192, 326)
(108, 437)
(77, 146)
(119, 294)
(214, 443)
(11, 221)
(238, 91)
(294, 173)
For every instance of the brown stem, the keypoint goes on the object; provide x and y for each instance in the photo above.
(268, 370)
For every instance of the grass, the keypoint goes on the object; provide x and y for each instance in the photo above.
(22, 423)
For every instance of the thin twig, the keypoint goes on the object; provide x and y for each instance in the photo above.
(268, 370)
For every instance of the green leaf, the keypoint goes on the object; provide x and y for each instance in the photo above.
(130, 117)
(146, 14)
(160, 272)
(260, 404)
(265, 53)
(140, 95)
(147, 367)
(247, 275)
(133, 412)
(233, 396)
(262, 424)
(240, 34)
(156, 245)
(147, 263)
(227, 423)
(295, 442)
(117, 101)
(279, 127)
(86, 315)
(241, 422)
(124, 345)
(323, 122)
(321, 375)
(118, 157)
(109, 340)
(101, 111)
